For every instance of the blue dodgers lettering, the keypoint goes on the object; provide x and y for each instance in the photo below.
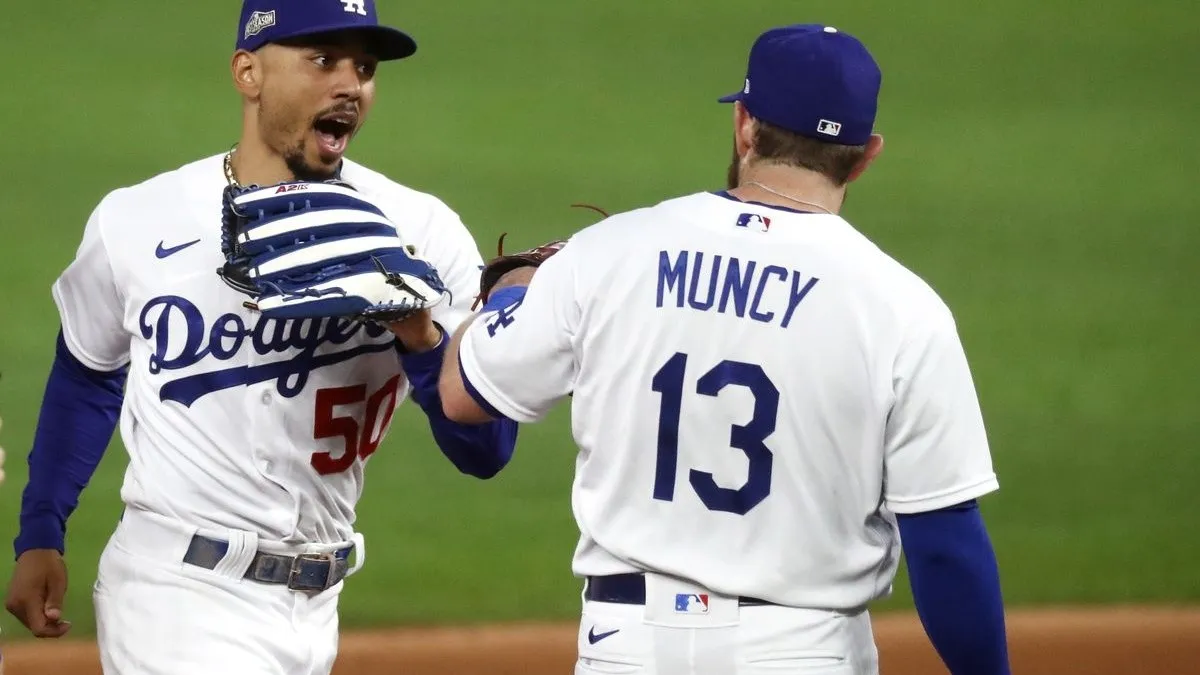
(692, 279)
(228, 335)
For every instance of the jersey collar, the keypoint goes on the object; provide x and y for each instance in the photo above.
(726, 195)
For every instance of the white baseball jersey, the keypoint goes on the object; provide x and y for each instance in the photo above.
(756, 392)
(229, 421)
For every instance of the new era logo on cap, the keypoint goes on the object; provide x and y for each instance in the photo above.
(827, 127)
(691, 603)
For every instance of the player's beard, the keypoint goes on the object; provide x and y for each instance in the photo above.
(296, 162)
(733, 177)
(279, 125)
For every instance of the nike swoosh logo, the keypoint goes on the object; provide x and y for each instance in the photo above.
(594, 637)
(161, 252)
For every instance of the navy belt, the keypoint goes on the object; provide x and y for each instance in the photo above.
(304, 572)
(630, 589)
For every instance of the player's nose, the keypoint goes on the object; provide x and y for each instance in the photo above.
(347, 80)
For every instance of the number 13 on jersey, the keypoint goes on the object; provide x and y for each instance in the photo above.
(749, 438)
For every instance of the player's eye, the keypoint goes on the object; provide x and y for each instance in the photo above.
(367, 69)
(322, 60)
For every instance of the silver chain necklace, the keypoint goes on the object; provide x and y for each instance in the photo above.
(777, 193)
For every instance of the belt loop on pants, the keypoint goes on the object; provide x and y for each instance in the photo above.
(630, 589)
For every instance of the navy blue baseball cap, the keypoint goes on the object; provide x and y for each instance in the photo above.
(265, 21)
(812, 80)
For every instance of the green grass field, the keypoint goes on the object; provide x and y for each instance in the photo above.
(1039, 172)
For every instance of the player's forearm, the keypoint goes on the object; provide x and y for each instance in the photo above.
(79, 414)
(480, 450)
(457, 401)
(956, 586)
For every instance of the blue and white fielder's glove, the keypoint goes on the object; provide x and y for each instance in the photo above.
(307, 250)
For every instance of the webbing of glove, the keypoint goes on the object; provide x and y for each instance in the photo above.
(503, 264)
(246, 209)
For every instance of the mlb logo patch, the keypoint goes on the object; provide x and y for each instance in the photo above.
(754, 220)
(691, 603)
(829, 128)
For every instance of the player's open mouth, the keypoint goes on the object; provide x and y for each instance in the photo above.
(334, 132)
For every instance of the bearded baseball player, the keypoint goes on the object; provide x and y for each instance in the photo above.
(766, 405)
(252, 319)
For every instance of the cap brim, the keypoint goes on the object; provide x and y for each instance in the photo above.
(390, 44)
(383, 42)
(730, 98)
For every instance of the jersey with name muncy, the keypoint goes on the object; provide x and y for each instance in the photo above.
(755, 394)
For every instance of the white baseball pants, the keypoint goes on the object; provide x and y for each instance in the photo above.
(156, 615)
(668, 636)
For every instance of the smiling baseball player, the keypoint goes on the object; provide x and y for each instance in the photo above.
(763, 403)
(254, 343)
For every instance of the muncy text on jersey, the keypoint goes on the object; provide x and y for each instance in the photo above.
(727, 280)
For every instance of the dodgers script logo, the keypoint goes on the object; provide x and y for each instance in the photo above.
(226, 336)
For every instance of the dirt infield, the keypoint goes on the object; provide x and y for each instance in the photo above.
(1125, 641)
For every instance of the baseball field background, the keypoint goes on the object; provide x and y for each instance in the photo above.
(1040, 171)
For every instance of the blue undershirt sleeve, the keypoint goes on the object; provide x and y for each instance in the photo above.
(956, 587)
(80, 410)
(479, 450)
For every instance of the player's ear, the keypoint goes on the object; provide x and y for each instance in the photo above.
(743, 129)
(247, 74)
(874, 147)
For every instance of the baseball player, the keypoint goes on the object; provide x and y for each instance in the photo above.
(763, 402)
(249, 401)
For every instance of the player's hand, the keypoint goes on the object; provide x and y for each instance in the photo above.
(506, 269)
(518, 277)
(417, 332)
(35, 593)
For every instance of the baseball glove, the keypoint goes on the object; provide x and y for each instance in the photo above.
(306, 250)
(503, 264)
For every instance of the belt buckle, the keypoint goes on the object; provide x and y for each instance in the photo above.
(296, 583)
